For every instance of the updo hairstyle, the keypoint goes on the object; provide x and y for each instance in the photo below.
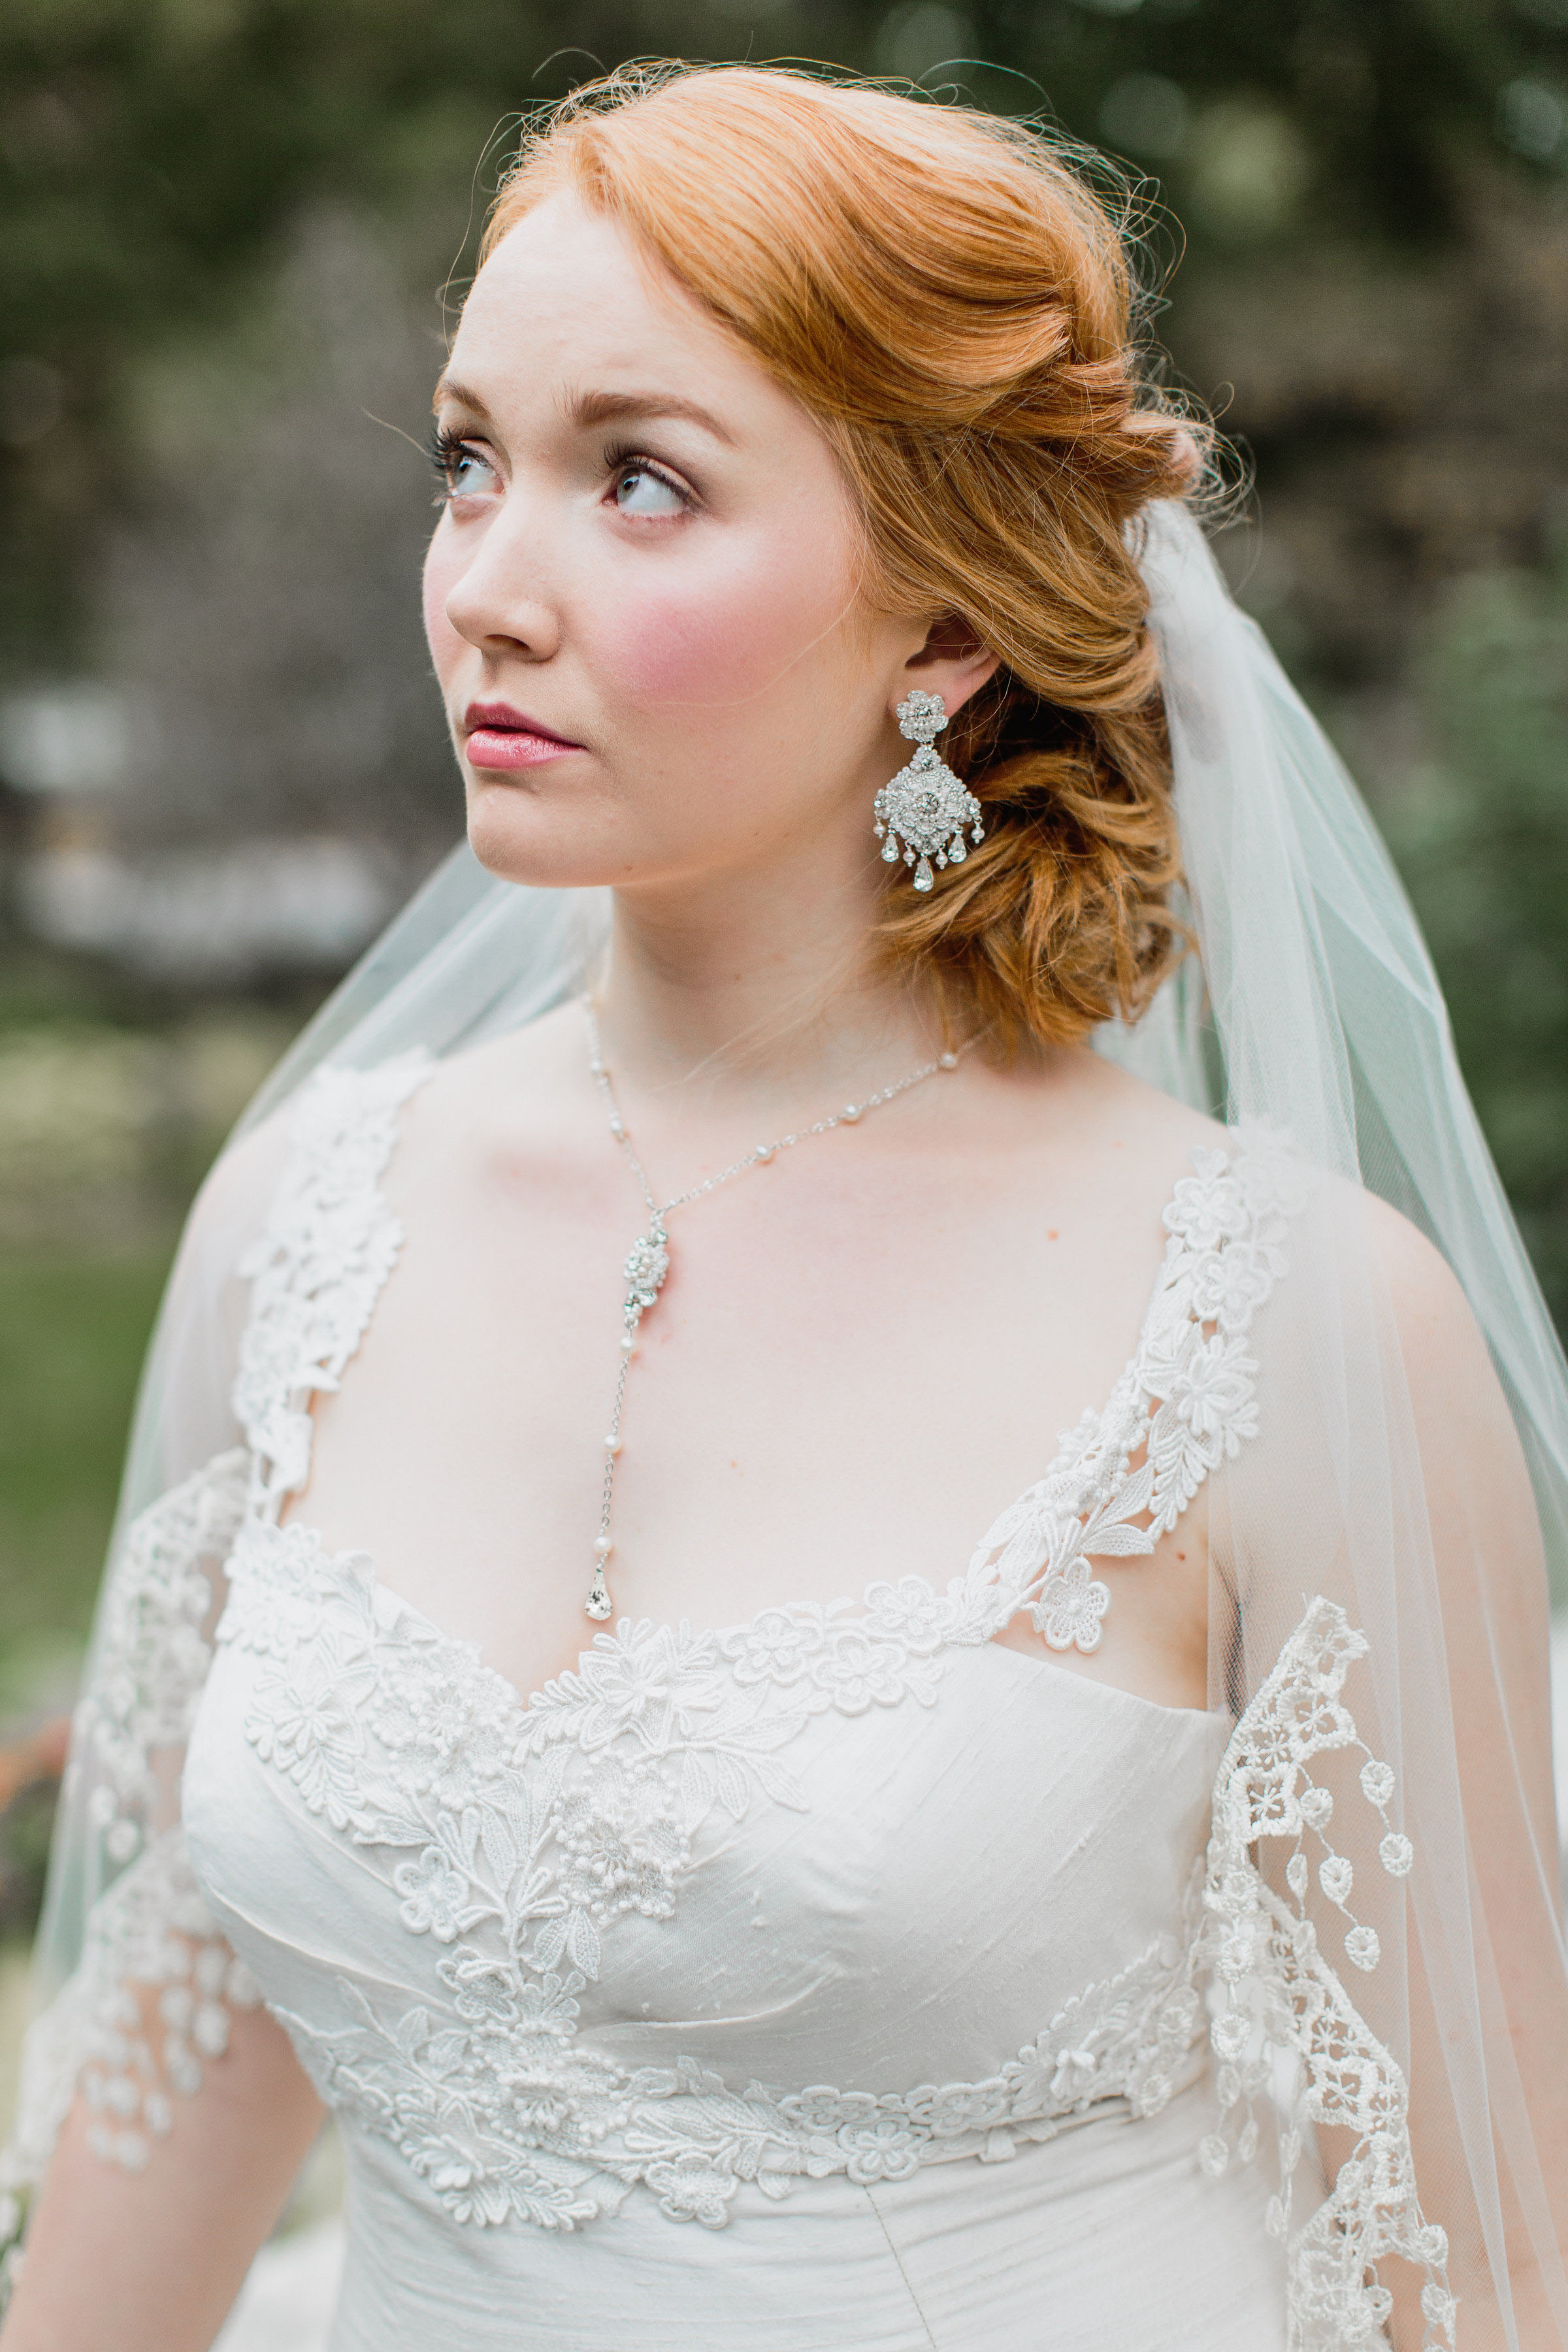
(952, 303)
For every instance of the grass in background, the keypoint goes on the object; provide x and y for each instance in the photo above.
(108, 1120)
(105, 1132)
(73, 1327)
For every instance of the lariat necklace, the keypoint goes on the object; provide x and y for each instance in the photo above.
(648, 1260)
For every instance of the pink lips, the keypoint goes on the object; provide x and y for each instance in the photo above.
(500, 737)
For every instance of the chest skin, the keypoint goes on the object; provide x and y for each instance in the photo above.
(863, 1351)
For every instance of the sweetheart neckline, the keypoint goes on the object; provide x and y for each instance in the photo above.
(626, 1630)
(1108, 1495)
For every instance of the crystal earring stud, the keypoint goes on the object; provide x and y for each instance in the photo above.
(924, 812)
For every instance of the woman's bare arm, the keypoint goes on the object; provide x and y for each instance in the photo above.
(151, 2261)
(1487, 1552)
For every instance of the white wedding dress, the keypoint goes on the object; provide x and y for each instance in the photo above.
(833, 1982)
(847, 1979)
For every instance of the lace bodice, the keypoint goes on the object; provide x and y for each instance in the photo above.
(840, 1893)
(550, 1861)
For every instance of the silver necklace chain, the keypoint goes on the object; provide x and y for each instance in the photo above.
(647, 1265)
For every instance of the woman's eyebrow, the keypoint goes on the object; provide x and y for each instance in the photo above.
(586, 409)
(448, 388)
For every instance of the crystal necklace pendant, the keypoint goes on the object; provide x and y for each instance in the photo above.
(646, 1267)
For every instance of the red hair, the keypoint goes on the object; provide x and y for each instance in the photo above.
(953, 302)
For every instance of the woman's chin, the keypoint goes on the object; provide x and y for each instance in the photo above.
(518, 840)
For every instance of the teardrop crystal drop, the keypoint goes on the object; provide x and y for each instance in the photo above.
(889, 851)
(923, 875)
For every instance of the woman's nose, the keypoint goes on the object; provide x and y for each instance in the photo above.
(499, 602)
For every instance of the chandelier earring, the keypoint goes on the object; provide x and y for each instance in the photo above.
(923, 813)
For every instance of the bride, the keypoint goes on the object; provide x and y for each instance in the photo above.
(953, 1884)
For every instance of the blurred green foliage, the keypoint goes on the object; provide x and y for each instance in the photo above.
(73, 1329)
(1482, 839)
(152, 152)
(27, 1823)
(105, 1132)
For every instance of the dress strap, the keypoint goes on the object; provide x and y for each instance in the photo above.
(1185, 1402)
(316, 1268)
(1194, 1374)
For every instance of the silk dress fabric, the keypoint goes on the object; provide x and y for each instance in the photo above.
(859, 2005)
(961, 1875)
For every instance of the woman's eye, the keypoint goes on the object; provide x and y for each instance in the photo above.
(470, 472)
(640, 491)
(463, 472)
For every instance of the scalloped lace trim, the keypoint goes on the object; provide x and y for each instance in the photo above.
(319, 1264)
(1282, 1999)
(150, 1931)
(328, 1246)
(528, 1829)
(153, 1655)
(1185, 1402)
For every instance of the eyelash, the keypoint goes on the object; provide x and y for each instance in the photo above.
(622, 460)
(446, 448)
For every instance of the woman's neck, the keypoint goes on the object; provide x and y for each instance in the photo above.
(758, 995)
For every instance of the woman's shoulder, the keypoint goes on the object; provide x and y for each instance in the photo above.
(1458, 1399)
(507, 1102)
(412, 1103)
(530, 1067)
(1121, 1119)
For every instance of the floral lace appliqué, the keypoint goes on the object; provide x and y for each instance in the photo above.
(506, 2114)
(329, 1244)
(1185, 1403)
(1282, 2001)
(514, 2116)
(554, 1819)
(526, 1831)
(149, 1934)
(318, 1268)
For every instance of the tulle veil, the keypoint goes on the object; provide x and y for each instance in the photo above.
(1390, 1493)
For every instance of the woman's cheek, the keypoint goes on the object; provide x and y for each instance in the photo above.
(443, 569)
(719, 638)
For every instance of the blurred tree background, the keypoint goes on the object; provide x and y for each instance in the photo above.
(231, 235)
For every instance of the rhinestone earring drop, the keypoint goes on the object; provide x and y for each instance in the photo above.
(921, 815)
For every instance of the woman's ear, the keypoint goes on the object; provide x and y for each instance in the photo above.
(953, 662)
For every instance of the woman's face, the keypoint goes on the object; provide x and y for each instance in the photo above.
(641, 596)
